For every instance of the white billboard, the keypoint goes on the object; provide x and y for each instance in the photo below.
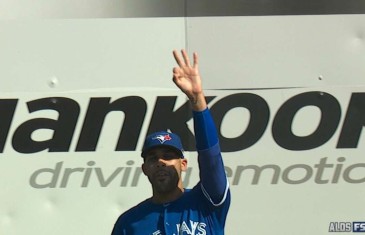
(73, 161)
(78, 96)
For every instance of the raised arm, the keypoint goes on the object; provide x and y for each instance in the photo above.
(212, 173)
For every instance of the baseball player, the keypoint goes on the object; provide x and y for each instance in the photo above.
(172, 209)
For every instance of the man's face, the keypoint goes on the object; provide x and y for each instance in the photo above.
(163, 168)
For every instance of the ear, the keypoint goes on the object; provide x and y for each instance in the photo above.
(184, 164)
(144, 169)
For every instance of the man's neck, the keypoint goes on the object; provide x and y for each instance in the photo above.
(162, 198)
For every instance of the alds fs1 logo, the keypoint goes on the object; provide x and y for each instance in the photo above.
(355, 227)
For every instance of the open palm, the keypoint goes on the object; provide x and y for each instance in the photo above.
(187, 76)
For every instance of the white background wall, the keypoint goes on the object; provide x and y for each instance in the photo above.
(116, 49)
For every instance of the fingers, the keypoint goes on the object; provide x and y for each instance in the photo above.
(195, 57)
(176, 77)
(178, 58)
(185, 61)
(186, 57)
(176, 72)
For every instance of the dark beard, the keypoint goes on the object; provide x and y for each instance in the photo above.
(166, 185)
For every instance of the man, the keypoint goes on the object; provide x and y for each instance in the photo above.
(173, 210)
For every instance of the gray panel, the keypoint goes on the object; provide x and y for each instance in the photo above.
(179, 8)
(274, 7)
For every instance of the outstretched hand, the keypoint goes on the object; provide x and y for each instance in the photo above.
(187, 78)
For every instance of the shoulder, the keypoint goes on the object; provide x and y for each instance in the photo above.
(131, 218)
(134, 212)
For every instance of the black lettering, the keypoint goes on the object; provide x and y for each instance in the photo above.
(134, 109)
(63, 128)
(7, 109)
(330, 117)
(353, 123)
(259, 118)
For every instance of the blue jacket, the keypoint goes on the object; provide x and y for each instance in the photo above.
(201, 210)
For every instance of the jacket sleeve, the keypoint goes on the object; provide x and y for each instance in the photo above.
(212, 173)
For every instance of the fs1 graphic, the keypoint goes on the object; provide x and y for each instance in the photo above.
(355, 227)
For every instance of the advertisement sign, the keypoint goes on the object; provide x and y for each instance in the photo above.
(287, 152)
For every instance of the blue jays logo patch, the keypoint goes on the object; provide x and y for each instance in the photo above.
(163, 138)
